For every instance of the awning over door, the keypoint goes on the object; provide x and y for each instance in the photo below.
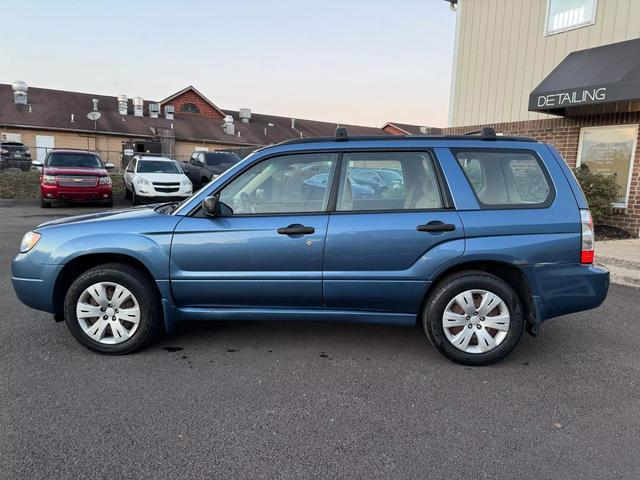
(597, 80)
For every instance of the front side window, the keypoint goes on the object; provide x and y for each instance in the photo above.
(565, 15)
(83, 160)
(507, 178)
(285, 184)
(610, 150)
(388, 181)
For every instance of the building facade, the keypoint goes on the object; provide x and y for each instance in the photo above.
(566, 72)
(118, 127)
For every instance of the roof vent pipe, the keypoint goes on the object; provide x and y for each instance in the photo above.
(123, 105)
(293, 123)
(72, 120)
(245, 115)
(228, 126)
(95, 104)
(20, 89)
(138, 104)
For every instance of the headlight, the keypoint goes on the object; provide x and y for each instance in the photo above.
(142, 181)
(29, 241)
(49, 179)
(104, 180)
(186, 182)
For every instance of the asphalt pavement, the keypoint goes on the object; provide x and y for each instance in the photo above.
(258, 400)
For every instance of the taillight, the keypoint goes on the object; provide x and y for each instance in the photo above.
(587, 238)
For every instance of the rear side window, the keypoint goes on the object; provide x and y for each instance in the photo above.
(388, 181)
(506, 178)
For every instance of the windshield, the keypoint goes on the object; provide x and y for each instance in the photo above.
(221, 158)
(84, 160)
(157, 166)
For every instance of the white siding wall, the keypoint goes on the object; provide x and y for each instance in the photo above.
(502, 53)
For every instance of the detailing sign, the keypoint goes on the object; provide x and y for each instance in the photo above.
(571, 98)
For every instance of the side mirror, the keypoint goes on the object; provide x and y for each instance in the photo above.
(36, 163)
(211, 206)
(108, 166)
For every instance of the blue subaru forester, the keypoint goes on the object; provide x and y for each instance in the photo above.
(476, 237)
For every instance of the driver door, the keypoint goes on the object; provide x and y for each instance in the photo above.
(266, 247)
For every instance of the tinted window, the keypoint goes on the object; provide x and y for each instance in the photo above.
(505, 177)
(388, 181)
(73, 160)
(157, 166)
(286, 184)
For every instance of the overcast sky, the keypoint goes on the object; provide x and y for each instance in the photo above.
(350, 61)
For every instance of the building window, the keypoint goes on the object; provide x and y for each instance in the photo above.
(189, 108)
(610, 150)
(563, 15)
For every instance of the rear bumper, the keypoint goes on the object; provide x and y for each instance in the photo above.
(563, 289)
(90, 194)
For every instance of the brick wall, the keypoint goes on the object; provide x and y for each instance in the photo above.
(564, 135)
(192, 97)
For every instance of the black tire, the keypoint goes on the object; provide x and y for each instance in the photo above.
(446, 290)
(44, 203)
(134, 198)
(139, 285)
(204, 181)
(127, 193)
(108, 203)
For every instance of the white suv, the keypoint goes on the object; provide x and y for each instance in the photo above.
(160, 179)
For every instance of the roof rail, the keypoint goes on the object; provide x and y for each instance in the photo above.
(485, 134)
(341, 134)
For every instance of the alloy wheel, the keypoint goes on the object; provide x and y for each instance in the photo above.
(476, 321)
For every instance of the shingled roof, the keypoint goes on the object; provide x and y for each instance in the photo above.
(53, 109)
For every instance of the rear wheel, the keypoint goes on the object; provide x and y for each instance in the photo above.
(44, 203)
(474, 318)
(112, 309)
(134, 197)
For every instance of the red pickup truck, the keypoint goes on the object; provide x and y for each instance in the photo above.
(74, 176)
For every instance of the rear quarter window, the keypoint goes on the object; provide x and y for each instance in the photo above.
(506, 178)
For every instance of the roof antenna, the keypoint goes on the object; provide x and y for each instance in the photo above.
(341, 134)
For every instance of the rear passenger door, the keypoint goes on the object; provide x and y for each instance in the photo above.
(384, 243)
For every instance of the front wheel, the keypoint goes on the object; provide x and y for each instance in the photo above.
(112, 309)
(44, 203)
(474, 318)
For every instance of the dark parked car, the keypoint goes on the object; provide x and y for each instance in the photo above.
(381, 180)
(475, 263)
(74, 176)
(203, 166)
(15, 155)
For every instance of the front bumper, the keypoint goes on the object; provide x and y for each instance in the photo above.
(33, 283)
(73, 194)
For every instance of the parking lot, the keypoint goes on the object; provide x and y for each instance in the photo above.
(294, 400)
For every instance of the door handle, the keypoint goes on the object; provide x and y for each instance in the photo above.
(436, 227)
(296, 229)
